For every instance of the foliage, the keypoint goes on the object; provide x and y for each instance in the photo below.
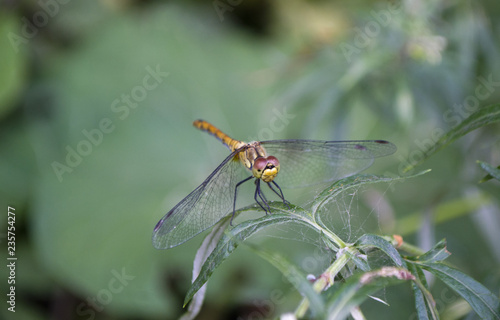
(325, 70)
(339, 301)
(323, 299)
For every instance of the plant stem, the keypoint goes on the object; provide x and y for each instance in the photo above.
(411, 249)
(405, 246)
(323, 282)
(330, 235)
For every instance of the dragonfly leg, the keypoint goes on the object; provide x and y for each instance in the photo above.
(258, 192)
(280, 194)
(235, 193)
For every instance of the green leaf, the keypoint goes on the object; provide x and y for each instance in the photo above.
(202, 254)
(296, 277)
(478, 119)
(424, 303)
(372, 240)
(342, 185)
(233, 237)
(436, 254)
(359, 260)
(484, 303)
(420, 304)
(492, 171)
(342, 297)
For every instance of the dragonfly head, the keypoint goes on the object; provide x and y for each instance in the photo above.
(266, 168)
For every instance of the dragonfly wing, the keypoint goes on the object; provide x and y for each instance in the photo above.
(308, 162)
(202, 208)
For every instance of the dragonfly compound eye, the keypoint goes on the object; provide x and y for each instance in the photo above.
(274, 161)
(258, 166)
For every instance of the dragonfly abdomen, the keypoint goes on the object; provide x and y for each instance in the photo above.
(213, 130)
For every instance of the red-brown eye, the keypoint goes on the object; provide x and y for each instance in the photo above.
(260, 164)
(273, 160)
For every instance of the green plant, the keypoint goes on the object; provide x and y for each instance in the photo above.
(352, 276)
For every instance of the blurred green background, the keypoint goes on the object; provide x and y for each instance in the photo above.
(96, 143)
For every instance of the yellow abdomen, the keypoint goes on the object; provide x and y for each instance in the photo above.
(213, 130)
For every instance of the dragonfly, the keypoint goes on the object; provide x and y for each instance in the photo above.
(288, 163)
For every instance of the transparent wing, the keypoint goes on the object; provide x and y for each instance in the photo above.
(308, 162)
(202, 208)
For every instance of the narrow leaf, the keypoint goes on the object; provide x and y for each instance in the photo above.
(296, 277)
(372, 240)
(424, 304)
(437, 253)
(478, 119)
(484, 303)
(420, 304)
(492, 171)
(232, 238)
(359, 260)
(203, 252)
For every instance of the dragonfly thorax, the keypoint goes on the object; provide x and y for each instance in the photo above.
(254, 157)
